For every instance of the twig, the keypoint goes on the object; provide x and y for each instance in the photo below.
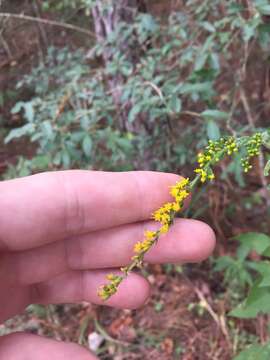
(156, 88)
(191, 113)
(247, 108)
(219, 320)
(107, 337)
(5, 46)
(41, 28)
(83, 329)
(48, 22)
(230, 117)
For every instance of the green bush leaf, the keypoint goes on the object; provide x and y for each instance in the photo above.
(213, 132)
(258, 301)
(149, 23)
(175, 104)
(267, 168)
(264, 9)
(255, 352)
(253, 241)
(214, 114)
(19, 132)
(136, 109)
(188, 88)
(87, 145)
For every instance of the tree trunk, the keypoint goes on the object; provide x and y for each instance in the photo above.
(106, 22)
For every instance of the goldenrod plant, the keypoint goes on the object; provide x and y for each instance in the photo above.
(250, 146)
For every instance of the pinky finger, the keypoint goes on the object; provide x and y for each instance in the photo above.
(77, 286)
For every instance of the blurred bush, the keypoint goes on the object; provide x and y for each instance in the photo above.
(128, 102)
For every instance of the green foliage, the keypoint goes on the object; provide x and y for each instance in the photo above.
(260, 352)
(50, 5)
(76, 120)
(243, 272)
(58, 117)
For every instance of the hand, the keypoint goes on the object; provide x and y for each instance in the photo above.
(62, 232)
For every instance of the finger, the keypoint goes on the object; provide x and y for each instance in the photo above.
(77, 286)
(47, 207)
(13, 299)
(20, 346)
(187, 241)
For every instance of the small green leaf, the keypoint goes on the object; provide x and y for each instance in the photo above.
(87, 145)
(149, 23)
(258, 301)
(29, 111)
(66, 161)
(201, 61)
(266, 252)
(19, 132)
(214, 114)
(267, 168)
(41, 162)
(260, 352)
(175, 104)
(208, 26)
(136, 109)
(47, 129)
(254, 241)
(264, 9)
(188, 88)
(17, 107)
(212, 130)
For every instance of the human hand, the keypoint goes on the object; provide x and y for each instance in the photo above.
(62, 232)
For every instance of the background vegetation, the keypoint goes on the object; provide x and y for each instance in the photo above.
(129, 84)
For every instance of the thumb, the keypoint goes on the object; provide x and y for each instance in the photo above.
(19, 346)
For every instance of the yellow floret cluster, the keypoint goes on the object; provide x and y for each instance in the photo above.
(106, 291)
(212, 154)
(149, 239)
(253, 149)
(165, 214)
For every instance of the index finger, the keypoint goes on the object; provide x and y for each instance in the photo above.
(47, 207)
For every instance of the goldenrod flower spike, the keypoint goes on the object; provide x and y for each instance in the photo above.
(214, 152)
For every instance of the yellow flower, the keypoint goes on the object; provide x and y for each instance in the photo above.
(164, 229)
(174, 191)
(103, 294)
(157, 215)
(106, 291)
(110, 277)
(150, 235)
(166, 208)
(138, 247)
(202, 173)
(176, 206)
(143, 246)
(162, 215)
(182, 196)
(178, 191)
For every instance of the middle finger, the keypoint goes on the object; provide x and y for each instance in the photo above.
(188, 241)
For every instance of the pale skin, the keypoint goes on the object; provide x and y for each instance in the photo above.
(62, 232)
